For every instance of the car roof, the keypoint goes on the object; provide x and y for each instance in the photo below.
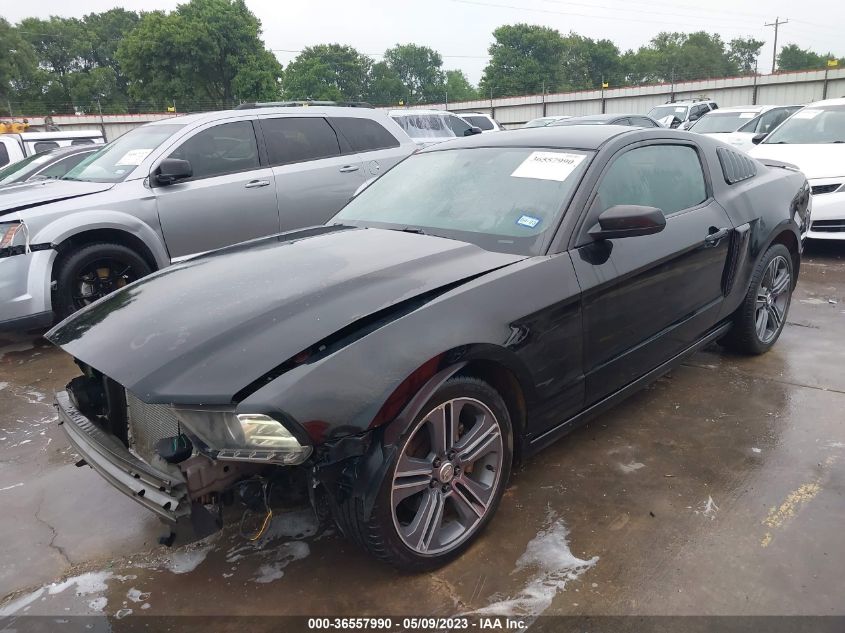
(604, 117)
(202, 117)
(402, 112)
(588, 137)
(827, 102)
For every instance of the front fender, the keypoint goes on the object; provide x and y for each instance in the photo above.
(77, 222)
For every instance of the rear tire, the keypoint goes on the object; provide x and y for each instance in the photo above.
(760, 319)
(93, 271)
(435, 499)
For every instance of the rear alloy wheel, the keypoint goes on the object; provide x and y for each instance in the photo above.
(761, 318)
(92, 272)
(445, 480)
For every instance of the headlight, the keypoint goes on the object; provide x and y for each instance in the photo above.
(244, 436)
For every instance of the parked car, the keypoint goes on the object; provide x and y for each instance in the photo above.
(17, 146)
(634, 120)
(472, 305)
(427, 127)
(813, 139)
(168, 190)
(482, 121)
(738, 125)
(543, 121)
(47, 165)
(682, 114)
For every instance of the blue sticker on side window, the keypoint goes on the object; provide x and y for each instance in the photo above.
(528, 220)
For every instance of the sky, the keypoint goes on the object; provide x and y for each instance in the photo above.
(461, 30)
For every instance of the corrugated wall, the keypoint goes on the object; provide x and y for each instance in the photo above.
(778, 89)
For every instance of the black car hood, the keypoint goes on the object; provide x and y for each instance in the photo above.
(200, 331)
(32, 194)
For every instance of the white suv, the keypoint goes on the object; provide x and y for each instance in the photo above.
(681, 114)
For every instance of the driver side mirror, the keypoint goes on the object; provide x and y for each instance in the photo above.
(172, 170)
(472, 131)
(628, 220)
(758, 138)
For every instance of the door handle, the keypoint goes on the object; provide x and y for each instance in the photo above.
(252, 184)
(349, 168)
(715, 236)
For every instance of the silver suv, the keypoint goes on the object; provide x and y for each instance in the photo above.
(172, 189)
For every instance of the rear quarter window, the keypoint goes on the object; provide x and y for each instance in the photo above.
(364, 135)
(480, 122)
(44, 146)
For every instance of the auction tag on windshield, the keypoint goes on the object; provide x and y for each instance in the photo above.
(548, 166)
(134, 157)
(528, 220)
(807, 114)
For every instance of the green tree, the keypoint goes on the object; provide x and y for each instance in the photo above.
(743, 53)
(105, 32)
(19, 90)
(680, 57)
(205, 54)
(419, 68)
(458, 87)
(328, 71)
(586, 62)
(793, 57)
(384, 87)
(523, 59)
(60, 46)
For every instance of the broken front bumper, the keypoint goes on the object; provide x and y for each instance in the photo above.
(165, 494)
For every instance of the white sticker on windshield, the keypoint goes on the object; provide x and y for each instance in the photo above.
(747, 115)
(548, 166)
(807, 114)
(134, 157)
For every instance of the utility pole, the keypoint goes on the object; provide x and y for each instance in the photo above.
(777, 23)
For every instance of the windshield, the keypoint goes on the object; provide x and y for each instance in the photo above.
(812, 125)
(661, 112)
(502, 199)
(12, 172)
(431, 125)
(722, 122)
(118, 159)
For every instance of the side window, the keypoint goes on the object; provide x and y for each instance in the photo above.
(82, 141)
(222, 149)
(364, 135)
(668, 177)
(770, 120)
(293, 140)
(60, 168)
(4, 155)
(44, 146)
(481, 122)
(623, 121)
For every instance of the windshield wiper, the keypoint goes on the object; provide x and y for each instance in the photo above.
(411, 229)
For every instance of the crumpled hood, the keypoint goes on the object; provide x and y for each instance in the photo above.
(818, 160)
(32, 194)
(200, 331)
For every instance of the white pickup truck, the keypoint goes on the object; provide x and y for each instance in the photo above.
(14, 147)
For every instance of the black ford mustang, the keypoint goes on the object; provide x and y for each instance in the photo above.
(469, 307)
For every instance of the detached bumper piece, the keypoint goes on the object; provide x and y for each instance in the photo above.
(164, 493)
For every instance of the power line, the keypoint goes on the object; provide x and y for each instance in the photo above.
(776, 24)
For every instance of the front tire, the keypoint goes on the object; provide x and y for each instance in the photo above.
(93, 271)
(444, 483)
(760, 319)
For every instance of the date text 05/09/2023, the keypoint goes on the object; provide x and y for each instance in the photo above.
(457, 623)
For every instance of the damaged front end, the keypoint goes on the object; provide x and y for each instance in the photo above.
(184, 464)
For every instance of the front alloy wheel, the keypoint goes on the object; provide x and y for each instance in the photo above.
(444, 480)
(446, 476)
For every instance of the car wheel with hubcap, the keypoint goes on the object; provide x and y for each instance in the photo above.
(761, 318)
(444, 482)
